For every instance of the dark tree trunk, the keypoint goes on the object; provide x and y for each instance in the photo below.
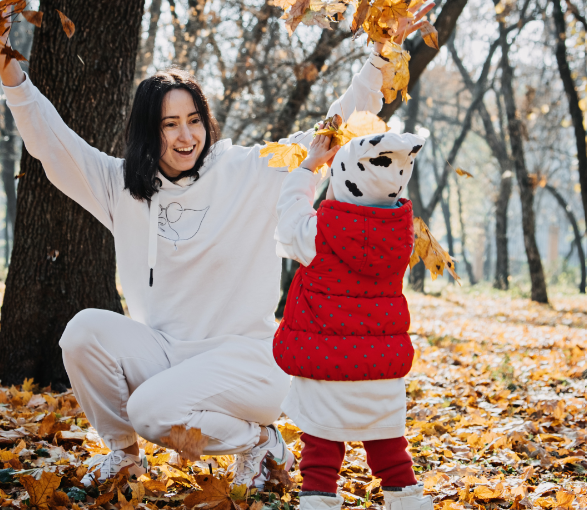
(63, 259)
(500, 153)
(572, 98)
(578, 237)
(502, 269)
(422, 55)
(538, 292)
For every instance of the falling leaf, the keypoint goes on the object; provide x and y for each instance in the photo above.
(360, 15)
(215, 494)
(33, 17)
(290, 156)
(188, 442)
(430, 35)
(19, 176)
(11, 53)
(460, 171)
(396, 73)
(40, 491)
(67, 24)
(427, 248)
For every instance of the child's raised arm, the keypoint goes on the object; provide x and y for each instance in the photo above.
(296, 228)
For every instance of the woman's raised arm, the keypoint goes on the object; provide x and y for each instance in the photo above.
(91, 178)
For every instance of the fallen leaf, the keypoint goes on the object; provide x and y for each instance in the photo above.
(239, 492)
(484, 492)
(40, 491)
(427, 248)
(215, 493)
(290, 156)
(67, 24)
(155, 485)
(33, 17)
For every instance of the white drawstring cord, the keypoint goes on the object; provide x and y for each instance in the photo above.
(153, 226)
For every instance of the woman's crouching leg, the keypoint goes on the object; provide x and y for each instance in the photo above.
(107, 356)
(199, 393)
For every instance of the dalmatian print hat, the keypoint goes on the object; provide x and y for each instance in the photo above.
(374, 170)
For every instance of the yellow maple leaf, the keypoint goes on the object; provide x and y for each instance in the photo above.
(40, 491)
(396, 73)
(290, 156)
(484, 492)
(430, 35)
(427, 248)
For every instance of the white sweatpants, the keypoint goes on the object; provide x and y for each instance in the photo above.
(129, 379)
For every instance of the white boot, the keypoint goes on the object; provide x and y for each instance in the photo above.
(409, 498)
(321, 502)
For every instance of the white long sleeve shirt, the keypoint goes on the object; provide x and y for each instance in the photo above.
(217, 273)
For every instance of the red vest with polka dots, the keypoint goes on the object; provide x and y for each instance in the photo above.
(346, 318)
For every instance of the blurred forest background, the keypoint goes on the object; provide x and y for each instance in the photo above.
(504, 100)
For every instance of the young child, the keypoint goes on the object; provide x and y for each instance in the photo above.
(344, 332)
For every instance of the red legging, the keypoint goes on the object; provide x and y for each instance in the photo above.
(322, 460)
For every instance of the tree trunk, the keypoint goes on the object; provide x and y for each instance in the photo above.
(422, 55)
(572, 98)
(63, 258)
(502, 268)
(578, 237)
(468, 267)
(538, 292)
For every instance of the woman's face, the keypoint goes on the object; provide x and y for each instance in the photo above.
(182, 131)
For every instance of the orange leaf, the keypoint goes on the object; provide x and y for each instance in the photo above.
(215, 493)
(427, 248)
(460, 171)
(34, 17)
(290, 156)
(430, 35)
(40, 491)
(189, 442)
(67, 24)
(11, 53)
(360, 15)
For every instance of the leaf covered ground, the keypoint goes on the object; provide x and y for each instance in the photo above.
(496, 419)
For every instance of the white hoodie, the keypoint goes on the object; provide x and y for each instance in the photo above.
(216, 277)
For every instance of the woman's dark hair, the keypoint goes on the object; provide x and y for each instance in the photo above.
(144, 135)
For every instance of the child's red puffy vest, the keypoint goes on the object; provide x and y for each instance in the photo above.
(346, 318)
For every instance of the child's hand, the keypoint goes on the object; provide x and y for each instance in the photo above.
(320, 153)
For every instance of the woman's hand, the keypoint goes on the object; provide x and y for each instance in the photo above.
(407, 26)
(320, 153)
(11, 74)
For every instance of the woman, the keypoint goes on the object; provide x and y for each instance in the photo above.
(193, 221)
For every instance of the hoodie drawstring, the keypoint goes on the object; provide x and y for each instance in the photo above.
(153, 225)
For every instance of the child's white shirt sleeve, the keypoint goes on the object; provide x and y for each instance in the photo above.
(297, 222)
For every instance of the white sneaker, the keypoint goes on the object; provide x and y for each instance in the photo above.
(251, 469)
(103, 467)
(320, 502)
(409, 498)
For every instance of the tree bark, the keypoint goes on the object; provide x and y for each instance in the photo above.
(422, 54)
(9, 153)
(572, 98)
(500, 153)
(468, 267)
(63, 259)
(578, 237)
(538, 292)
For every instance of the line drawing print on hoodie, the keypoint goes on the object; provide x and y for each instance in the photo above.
(179, 224)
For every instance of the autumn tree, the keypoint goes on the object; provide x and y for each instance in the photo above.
(63, 259)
